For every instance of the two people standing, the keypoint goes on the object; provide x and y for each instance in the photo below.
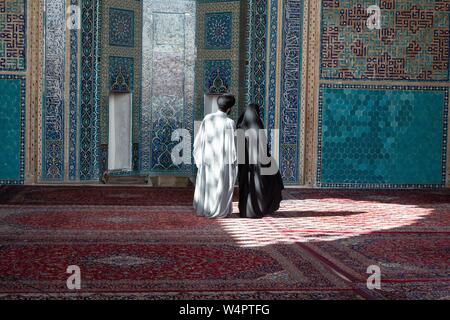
(220, 162)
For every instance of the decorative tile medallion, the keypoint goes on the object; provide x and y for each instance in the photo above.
(218, 30)
(121, 27)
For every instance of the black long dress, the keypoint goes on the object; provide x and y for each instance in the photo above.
(259, 194)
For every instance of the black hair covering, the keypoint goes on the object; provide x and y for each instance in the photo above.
(250, 118)
(259, 194)
(226, 101)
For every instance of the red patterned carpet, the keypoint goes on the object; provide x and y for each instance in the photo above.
(144, 243)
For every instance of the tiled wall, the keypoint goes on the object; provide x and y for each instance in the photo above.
(275, 76)
(70, 121)
(82, 64)
(354, 107)
(121, 50)
(168, 80)
(54, 98)
(384, 94)
(13, 67)
(382, 135)
(412, 44)
(12, 129)
(13, 35)
(218, 45)
(404, 65)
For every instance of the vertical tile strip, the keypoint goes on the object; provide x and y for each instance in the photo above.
(55, 45)
(73, 101)
(291, 87)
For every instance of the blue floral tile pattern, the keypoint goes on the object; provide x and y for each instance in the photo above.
(218, 30)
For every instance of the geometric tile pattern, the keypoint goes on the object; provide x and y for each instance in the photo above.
(89, 113)
(12, 129)
(73, 100)
(54, 98)
(121, 27)
(291, 77)
(13, 35)
(431, 64)
(218, 30)
(382, 136)
(413, 43)
(272, 57)
(258, 16)
(274, 76)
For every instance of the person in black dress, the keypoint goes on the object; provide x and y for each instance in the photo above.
(260, 194)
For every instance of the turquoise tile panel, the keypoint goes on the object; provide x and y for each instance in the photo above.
(11, 130)
(382, 136)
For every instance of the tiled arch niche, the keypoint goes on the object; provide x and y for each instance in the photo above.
(318, 73)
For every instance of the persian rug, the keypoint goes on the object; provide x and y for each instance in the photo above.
(89, 195)
(145, 243)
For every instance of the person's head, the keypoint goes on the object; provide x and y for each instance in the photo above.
(254, 107)
(226, 102)
(250, 115)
